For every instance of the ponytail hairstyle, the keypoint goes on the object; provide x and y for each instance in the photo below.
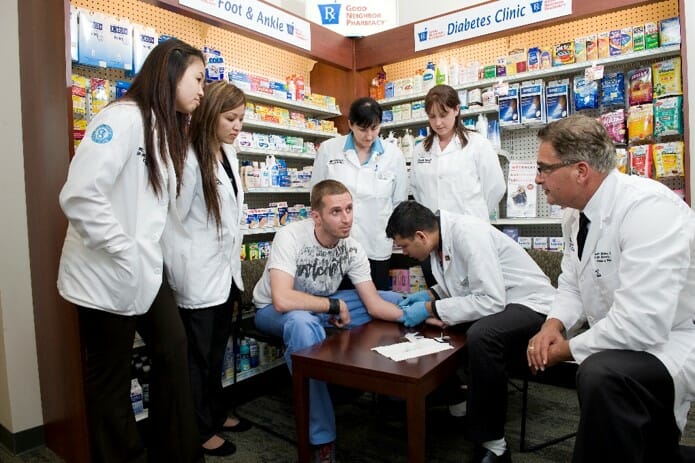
(154, 91)
(220, 97)
(441, 98)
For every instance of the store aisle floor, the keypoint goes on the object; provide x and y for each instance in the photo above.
(374, 431)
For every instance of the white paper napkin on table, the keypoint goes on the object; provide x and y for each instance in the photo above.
(412, 348)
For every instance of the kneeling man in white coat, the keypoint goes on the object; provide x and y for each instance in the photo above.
(484, 277)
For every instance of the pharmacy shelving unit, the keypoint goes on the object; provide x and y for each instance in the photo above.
(260, 197)
(519, 140)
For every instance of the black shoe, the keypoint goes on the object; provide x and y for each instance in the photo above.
(223, 450)
(483, 455)
(241, 426)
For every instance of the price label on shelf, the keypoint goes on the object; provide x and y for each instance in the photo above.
(594, 72)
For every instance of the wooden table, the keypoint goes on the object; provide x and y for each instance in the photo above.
(346, 359)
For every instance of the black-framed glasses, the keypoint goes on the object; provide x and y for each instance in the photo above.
(545, 169)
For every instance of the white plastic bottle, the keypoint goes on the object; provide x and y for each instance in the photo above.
(136, 396)
(407, 145)
(265, 175)
(453, 75)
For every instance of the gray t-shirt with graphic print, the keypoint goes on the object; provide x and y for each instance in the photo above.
(316, 270)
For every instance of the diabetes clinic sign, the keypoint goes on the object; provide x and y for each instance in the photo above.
(258, 17)
(486, 19)
(353, 18)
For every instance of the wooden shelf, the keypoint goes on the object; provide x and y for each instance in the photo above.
(421, 121)
(283, 154)
(568, 69)
(281, 190)
(260, 231)
(244, 375)
(527, 221)
(318, 112)
(255, 124)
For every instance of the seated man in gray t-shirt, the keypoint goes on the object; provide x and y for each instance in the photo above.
(298, 296)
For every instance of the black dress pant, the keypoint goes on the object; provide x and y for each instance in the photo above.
(496, 345)
(208, 330)
(626, 400)
(108, 344)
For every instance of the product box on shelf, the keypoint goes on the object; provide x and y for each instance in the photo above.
(532, 101)
(525, 242)
(556, 243)
(92, 31)
(540, 242)
(144, 40)
(557, 95)
(509, 106)
(670, 31)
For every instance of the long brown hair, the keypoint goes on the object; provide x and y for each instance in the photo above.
(220, 97)
(443, 97)
(154, 91)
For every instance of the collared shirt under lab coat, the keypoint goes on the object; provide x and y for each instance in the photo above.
(460, 180)
(377, 187)
(482, 270)
(200, 262)
(112, 258)
(635, 284)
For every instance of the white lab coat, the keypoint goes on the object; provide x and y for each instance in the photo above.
(635, 284)
(466, 180)
(376, 187)
(200, 263)
(482, 270)
(112, 258)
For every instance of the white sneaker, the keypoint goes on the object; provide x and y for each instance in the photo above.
(458, 410)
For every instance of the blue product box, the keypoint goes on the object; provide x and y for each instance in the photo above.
(512, 232)
(557, 99)
(532, 101)
(509, 106)
(389, 90)
(91, 38)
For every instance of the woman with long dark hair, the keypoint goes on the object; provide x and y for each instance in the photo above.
(120, 185)
(203, 245)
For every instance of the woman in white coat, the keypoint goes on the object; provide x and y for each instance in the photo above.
(117, 195)
(455, 169)
(376, 176)
(203, 243)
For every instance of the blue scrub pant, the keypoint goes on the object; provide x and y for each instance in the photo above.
(300, 329)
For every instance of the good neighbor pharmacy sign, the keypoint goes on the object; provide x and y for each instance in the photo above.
(353, 18)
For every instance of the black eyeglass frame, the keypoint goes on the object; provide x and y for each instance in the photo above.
(545, 169)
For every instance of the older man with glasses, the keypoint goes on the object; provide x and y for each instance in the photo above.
(629, 271)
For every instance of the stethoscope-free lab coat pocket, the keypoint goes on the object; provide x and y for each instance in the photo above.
(383, 184)
(127, 275)
(606, 280)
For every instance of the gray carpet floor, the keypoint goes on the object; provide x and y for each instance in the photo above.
(373, 430)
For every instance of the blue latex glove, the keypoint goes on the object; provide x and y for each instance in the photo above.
(414, 314)
(420, 296)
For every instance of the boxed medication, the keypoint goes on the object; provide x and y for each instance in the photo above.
(532, 101)
(509, 106)
(557, 95)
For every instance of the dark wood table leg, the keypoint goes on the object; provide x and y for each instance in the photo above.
(301, 412)
(416, 425)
